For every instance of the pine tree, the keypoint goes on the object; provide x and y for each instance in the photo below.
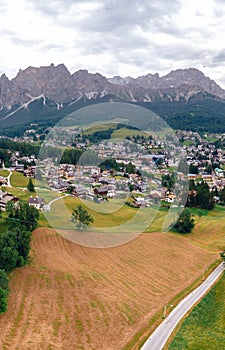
(30, 186)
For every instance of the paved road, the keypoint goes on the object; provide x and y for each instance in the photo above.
(158, 339)
(47, 207)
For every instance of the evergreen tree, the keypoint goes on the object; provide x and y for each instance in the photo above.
(185, 223)
(200, 196)
(30, 186)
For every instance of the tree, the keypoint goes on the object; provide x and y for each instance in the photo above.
(130, 169)
(10, 207)
(193, 169)
(8, 258)
(185, 223)
(168, 181)
(4, 291)
(200, 196)
(30, 186)
(23, 239)
(199, 213)
(223, 255)
(22, 216)
(3, 300)
(4, 282)
(81, 217)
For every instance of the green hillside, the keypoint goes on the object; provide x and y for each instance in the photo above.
(205, 115)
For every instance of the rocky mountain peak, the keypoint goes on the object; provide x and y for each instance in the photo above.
(193, 77)
(117, 80)
(56, 83)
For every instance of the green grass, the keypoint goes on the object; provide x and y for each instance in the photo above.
(211, 139)
(48, 195)
(204, 327)
(18, 179)
(113, 213)
(99, 127)
(19, 193)
(209, 230)
(122, 133)
(102, 218)
(4, 173)
(187, 143)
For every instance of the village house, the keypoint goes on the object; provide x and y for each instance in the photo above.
(105, 191)
(79, 191)
(3, 181)
(29, 172)
(36, 202)
(5, 198)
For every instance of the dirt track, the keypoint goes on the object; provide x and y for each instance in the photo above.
(74, 298)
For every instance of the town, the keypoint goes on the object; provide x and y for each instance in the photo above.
(139, 169)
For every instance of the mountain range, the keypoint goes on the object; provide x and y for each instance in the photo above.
(47, 91)
(58, 84)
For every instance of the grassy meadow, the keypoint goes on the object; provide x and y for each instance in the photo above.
(205, 325)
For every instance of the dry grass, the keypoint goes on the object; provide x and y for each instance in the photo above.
(73, 297)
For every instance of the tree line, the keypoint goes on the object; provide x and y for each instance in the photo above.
(15, 243)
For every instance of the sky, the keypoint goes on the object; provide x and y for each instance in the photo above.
(114, 37)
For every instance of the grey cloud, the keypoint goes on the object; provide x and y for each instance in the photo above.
(48, 46)
(113, 26)
(220, 57)
(112, 15)
(16, 40)
(216, 60)
(55, 7)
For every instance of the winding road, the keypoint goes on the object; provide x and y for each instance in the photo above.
(47, 207)
(160, 336)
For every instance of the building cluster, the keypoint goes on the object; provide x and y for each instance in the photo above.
(146, 159)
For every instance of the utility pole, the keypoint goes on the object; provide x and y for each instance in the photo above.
(165, 309)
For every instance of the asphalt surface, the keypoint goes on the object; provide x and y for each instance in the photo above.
(159, 337)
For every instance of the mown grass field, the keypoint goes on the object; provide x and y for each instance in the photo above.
(108, 214)
(73, 297)
(209, 231)
(123, 132)
(204, 327)
(17, 179)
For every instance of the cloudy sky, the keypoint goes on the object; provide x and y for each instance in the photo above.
(114, 37)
